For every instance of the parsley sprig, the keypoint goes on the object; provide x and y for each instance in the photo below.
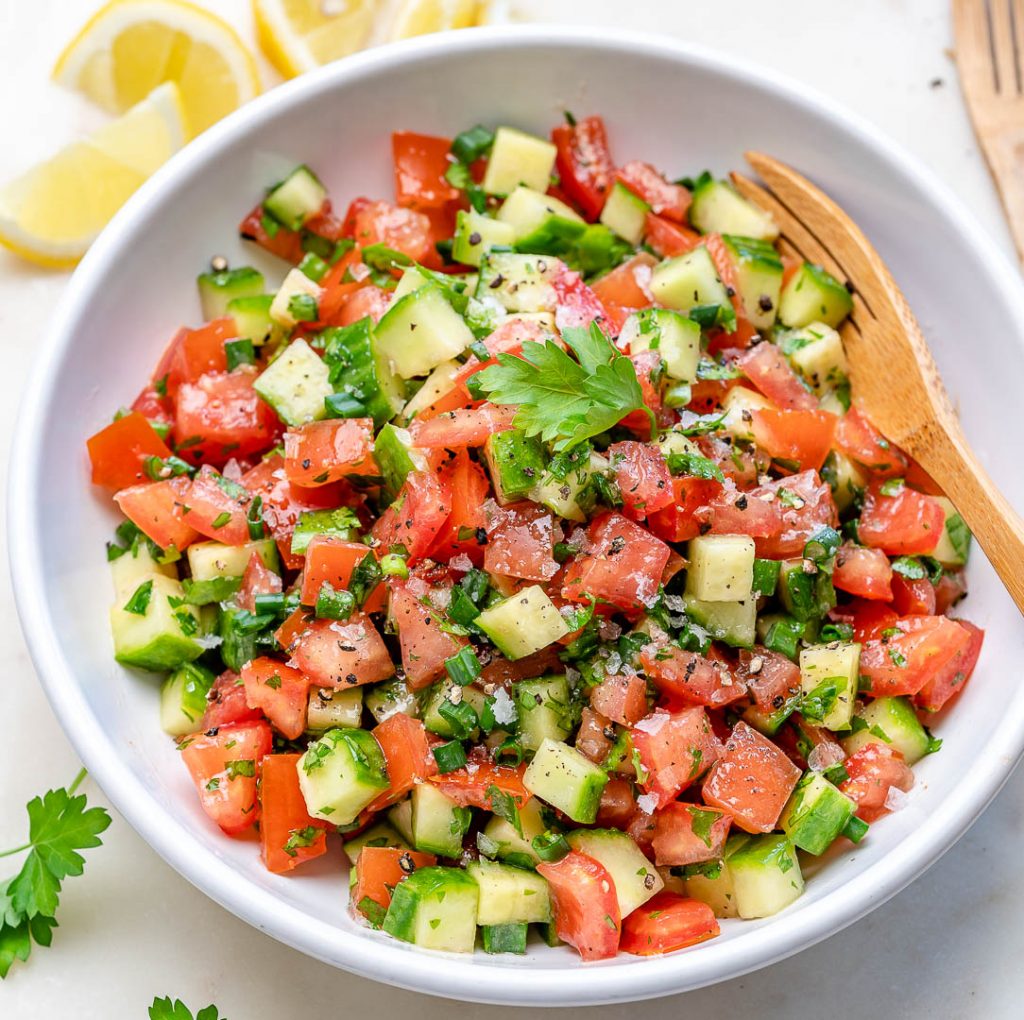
(562, 399)
(165, 1009)
(59, 826)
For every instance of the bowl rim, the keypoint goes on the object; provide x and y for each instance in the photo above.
(365, 954)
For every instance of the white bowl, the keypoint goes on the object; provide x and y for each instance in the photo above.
(679, 107)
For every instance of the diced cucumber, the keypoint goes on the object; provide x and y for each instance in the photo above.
(475, 234)
(739, 405)
(412, 279)
(391, 698)
(813, 295)
(295, 285)
(519, 283)
(718, 208)
(828, 678)
(252, 317)
(131, 568)
(217, 289)
(396, 457)
(766, 876)
(400, 816)
(435, 908)
(509, 895)
(540, 223)
(515, 462)
(625, 213)
(508, 844)
(805, 596)
(378, 834)
(449, 691)
(420, 331)
(567, 497)
(846, 479)
(732, 622)
(635, 878)
(518, 158)
(360, 370)
(435, 386)
(758, 278)
(298, 198)
(721, 568)
(562, 777)
(891, 721)
(711, 883)
(671, 441)
(295, 384)
(524, 623)
(675, 337)
(955, 542)
(504, 938)
(163, 637)
(816, 814)
(816, 352)
(690, 281)
(543, 707)
(183, 699)
(342, 773)
(438, 823)
(209, 560)
(329, 708)
(341, 523)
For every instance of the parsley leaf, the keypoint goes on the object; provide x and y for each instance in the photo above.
(564, 400)
(165, 1009)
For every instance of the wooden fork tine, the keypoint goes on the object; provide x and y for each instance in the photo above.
(974, 53)
(1003, 46)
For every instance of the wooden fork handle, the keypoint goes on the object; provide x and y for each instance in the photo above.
(1005, 155)
(998, 528)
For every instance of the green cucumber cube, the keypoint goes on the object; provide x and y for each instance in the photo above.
(133, 567)
(758, 278)
(635, 878)
(718, 208)
(330, 708)
(509, 895)
(360, 370)
(524, 623)
(218, 289)
(504, 938)
(507, 843)
(210, 560)
(675, 337)
(625, 213)
(391, 697)
(161, 638)
(813, 295)
(295, 285)
(544, 711)
(891, 721)
(690, 281)
(378, 834)
(721, 568)
(518, 158)
(540, 223)
(828, 679)
(475, 234)
(438, 823)
(766, 876)
(252, 317)
(435, 908)
(515, 462)
(816, 352)
(183, 699)
(449, 691)
(298, 198)
(816, 814)
(296, 384)
(400, 816)
(518, 282)
(341, 774)
(420, 331)
(562, 777)
(396, 457)
(954, 545)
(735, 623)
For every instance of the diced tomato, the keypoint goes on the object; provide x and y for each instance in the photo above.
(416, 517)
(594, 736)
(804, 506)
(380, 868)
(420, 165)
(665, 199)
(218, 507)
(220, 416)
(675, 748)
(643, 477)
(584, 164)
(226, 703)
(924, 648)
(585, 905)
(678, 522)
(471, 785)
(577, 304)
(904, 523)
(868, 619)
(154, 404)
(342, 653)
(328, 451)
(665, 923)
(367, 301)
(405, 230)
(225, 767)
(732, 512)
(623, 564)
(622, 698)
(407, 752)
(331, 560)
(469, 487)
(270, 235)
(873, 771)
(289, 835)
(258, 579)
(751, 781)
(864, 572)
(647, 365)
(618, 805)
(669, 239)
(744, 332)
(119, 451)
(505, 672)
(862, 442)
(767, 368)
(425, 646)
(690, 676)
(803, 438)
(627, 286)
(295, 625)
(912, 596)
(520, 542)
(157, 510)
(280, 692)
(688, 834)
(194, 353)
(463, 427)
(771, 678)
(953, 677)
(949, 590)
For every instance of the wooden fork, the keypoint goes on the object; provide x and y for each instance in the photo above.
(894, 380)
(990, 56)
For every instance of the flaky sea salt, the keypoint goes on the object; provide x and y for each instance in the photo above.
(503, 709)
(652, 723)
(647, 803)
(896, 799)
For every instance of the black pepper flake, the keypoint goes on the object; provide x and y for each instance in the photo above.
(497, 282)
(475, 238)
(741, 503)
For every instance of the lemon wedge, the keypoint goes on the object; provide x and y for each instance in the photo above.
(420, 17)
(52, 213)
(129, 47)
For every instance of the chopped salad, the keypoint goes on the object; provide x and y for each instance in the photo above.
(528, 542)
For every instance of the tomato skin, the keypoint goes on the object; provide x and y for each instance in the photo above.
(283, 814)
(864, 572)
(257, 580)
(118, 451)
(469, 487)
(280, 692)
(406, 748)
(951, 588)
(284, 243)
(769, 676)
(732, 512)
(584, 164)
(643, 477)
(953, 677)
(862, 442)
(469, 786)
(417, 516)
(675, 748)
(462, 427)
(767, 368)
(624, 564)
(425, 646)
(627, 286)
(690, 676)
(342, 653)
(367, 301)
(675, 842)
(594, 736)
(327, 451)
(157, 509)
(744, 333)
(585, 905)
(420, 165)
(405, 230)
(868, 619)
(873, 771)
(331, 560)
(623, 699)
(751, 781)
(678, 522)
(924, 648)
(813, 507)
(669, 239)
(801, 436)
(209, 503)
(665, 923)
(520, 542)
(577, 304)
(380, 868)
(669, 200)
(903, 524)
(618, 805)
(913, 596)
(227, 795)
(226, 703)
(154, 405)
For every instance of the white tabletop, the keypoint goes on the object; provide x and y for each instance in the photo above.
(131, 928)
